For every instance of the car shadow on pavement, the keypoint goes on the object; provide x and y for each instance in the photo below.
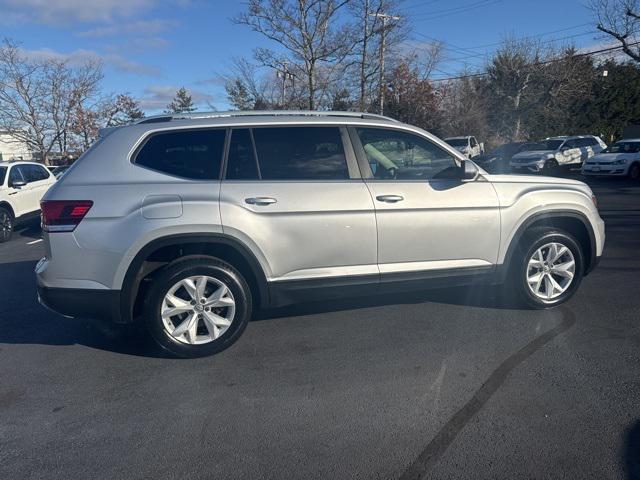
(24, 321)
(632, 452)
(479, 296)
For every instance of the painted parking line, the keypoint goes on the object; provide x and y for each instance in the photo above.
(35, 241)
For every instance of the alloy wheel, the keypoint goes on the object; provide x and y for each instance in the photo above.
(550, 271)
(6, 226)
(198, 310)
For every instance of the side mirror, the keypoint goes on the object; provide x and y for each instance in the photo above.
(18, 183)
(469, 171)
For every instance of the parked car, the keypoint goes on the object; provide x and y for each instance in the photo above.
(622, 158)
(189, 222)
(497, 161)
(22, 185)
(468, 146)
(554, 152)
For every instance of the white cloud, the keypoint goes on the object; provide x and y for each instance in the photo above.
(138, 27)
(55, 12)
(157, 97)
(79, 56)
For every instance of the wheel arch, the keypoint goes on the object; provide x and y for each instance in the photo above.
(574, 222)
(6, 205)
(164, 250)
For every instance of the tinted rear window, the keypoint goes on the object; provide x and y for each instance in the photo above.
(194, 154)
(300, 153)
(34, 173)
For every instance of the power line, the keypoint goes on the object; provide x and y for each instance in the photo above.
(546, 62)
(445, 13)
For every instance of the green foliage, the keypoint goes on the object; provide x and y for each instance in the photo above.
(181, 103)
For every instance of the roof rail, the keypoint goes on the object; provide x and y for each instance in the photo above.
(261, 113)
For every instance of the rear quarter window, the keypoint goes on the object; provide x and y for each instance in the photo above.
(192, 154)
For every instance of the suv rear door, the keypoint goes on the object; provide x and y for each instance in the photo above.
(428, 220)
(22, 198)
(39, 179)
(295, 195)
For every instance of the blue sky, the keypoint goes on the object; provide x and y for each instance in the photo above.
(149, 48)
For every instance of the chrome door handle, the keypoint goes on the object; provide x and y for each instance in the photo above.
(260, 200)
(389, 198)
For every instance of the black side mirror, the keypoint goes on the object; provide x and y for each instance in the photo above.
(18, 183)
(468, 170)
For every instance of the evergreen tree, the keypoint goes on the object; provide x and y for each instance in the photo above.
(181, 103)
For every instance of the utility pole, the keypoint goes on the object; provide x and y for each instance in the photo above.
(285, 74)
(385, 17)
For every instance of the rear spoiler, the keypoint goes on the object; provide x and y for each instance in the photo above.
(106, 131)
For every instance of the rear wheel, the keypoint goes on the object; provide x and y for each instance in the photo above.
(548, 269)
(634, 171)
(6, 225)
(197, 307)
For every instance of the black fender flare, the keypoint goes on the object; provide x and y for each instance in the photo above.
(131, 278)
(548, 215)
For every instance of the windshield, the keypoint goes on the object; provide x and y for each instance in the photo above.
(546, 145)
(458, 142)
(3, 172)
(623, 147)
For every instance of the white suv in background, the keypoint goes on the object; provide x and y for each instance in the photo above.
(620, 159)
(468, 146)
(22, 185)
(546, 156)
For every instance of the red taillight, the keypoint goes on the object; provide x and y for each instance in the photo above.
(63, 215)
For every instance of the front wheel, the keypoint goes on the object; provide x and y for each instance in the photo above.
(548, 268)
(6, 225)
(197, 307)
(634, 171)
(551, 167)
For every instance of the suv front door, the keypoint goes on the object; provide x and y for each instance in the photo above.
(428, 219)
(295, 195)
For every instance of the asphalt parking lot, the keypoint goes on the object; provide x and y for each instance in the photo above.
(442, 385)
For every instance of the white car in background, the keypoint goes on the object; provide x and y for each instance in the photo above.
(22, 185)
(468, 146)
(621, 159)
(546, 156)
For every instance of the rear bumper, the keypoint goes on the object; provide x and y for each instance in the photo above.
(81, 303)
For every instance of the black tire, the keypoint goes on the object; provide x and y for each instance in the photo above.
(163, 281)
(634, 171)
(532, 241)
(551, 167)
(6, 225)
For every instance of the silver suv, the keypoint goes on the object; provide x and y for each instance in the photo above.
(188, 223)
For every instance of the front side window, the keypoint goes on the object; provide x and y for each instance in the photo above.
(394, 154)
(193, 154)
(300, 153)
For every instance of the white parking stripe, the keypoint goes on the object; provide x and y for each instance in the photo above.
(35, 241)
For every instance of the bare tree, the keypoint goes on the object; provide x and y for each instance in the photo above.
(39, 96)
(367, 30)
(512, 78)
(619, 19)
(120, 109)
(307, 29)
